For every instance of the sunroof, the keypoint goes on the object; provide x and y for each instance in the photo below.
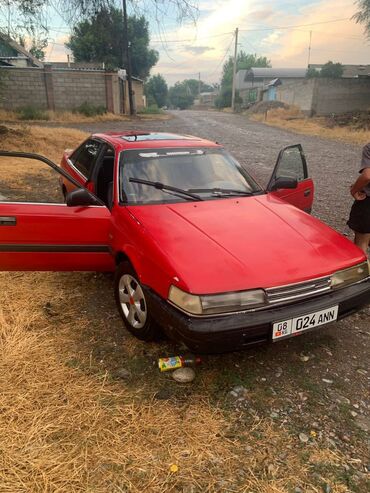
(154, 136)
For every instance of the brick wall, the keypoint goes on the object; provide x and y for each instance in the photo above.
(73, 87)
(22, 87)
(299, 93)
(326, 96)
(341, 96)
(63, 89)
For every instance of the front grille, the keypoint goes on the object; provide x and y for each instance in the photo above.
(293, 292)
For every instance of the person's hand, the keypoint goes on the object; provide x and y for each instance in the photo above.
(359, 195)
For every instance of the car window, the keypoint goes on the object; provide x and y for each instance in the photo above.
(84, 157)
(291, 164)
(190, 169)
(29, 180)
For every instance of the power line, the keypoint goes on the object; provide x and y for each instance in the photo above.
(223, 58)
(294, 26)
(193, 39)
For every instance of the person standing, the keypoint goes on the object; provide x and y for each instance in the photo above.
(359, 218)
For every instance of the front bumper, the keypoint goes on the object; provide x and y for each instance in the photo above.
(237, 331)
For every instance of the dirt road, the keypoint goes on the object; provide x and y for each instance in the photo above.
(333, 165)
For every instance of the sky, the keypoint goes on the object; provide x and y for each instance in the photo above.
(278, 29)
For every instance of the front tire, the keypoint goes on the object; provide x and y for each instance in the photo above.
(132, 304)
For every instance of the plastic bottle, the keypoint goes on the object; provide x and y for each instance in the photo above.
(173, 362)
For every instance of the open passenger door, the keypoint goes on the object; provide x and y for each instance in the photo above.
(290, 181)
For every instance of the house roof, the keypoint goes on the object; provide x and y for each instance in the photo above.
(274, 73)
(78, 65)
(19, 49)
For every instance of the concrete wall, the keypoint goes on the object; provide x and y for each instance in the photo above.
(73, 87)
(326, 96)
(341, 96)
(299, 93)
(22, 87)
(64, 89)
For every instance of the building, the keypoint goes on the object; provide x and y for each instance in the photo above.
(12, 54)
(253, 83)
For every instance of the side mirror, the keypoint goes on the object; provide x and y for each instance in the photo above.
(282, 182)
(81, 197)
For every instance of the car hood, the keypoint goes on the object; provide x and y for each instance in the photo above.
(234, 244)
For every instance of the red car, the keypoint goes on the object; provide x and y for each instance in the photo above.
(200, 250)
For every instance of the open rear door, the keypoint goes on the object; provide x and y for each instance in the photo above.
(291, 164)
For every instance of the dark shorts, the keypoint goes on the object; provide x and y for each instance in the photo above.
(359, 218)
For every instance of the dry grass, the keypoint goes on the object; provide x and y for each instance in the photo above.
(68, 426)
(65, 117)
(69, 117)
(292, 119)
(65, 429)
(50, 142)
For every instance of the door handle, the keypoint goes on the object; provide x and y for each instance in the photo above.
(8, 221)
(307, 192)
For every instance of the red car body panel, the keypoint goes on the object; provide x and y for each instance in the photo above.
(238, 244)
(302, 196)
(216, 245)
(78, 236)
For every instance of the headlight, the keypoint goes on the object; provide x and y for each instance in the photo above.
(216, 303)
(352, 275)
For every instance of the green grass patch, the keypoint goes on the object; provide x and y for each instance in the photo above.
(32, 113)
(151, 110)
(89, 109)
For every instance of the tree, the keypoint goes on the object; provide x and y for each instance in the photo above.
(34, 12)
(180, 96)
(312, 73)
(363, 15)
(245, 61)
(156, 90)
(100, 39)
(193, 85)
(332, 70)
(38, 48)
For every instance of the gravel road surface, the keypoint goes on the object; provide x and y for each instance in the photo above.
(333, 165)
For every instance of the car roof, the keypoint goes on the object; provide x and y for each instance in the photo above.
(149, 140)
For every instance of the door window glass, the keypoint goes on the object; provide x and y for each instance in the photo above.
(29, 180)
(84, 157)
(291, 164)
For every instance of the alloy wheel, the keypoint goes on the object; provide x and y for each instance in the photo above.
(132, 301)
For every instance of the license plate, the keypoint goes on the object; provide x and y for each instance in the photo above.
(296, 326)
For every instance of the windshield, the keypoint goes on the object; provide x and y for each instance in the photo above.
(210, 173)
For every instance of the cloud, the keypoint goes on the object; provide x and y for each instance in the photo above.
(198, 50)
(259, 15)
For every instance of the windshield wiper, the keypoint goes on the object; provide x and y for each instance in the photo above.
(223, 191)
(166, 188)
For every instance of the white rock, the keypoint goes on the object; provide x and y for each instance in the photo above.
(184, 375)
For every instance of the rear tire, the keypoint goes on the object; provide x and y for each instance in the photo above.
(132, 304)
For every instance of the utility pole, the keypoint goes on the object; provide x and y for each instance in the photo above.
(309, 51)
(127, 56)
(199, 87)
(234, 70)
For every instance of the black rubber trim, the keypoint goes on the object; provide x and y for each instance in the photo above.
(8, 221)
(240, 330)
(54, 248)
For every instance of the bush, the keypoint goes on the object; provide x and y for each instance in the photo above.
(32, 113)
(89, 109)
(150, 110)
